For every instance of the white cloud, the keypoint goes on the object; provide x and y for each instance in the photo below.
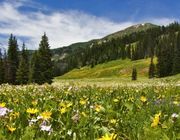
(62, 27)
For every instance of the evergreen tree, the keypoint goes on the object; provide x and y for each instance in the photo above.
(151, 68)
(23, 69)
(34, 72)
(1, 69)
(41, 65)
(134, 74)
(12, 59)
(5, 64)
(176, 60)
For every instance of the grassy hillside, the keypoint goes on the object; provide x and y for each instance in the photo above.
(112, 69)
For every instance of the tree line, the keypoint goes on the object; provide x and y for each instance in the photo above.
(17, 67)
(160, 42)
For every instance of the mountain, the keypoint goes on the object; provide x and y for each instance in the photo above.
(69, 57)
(132, 29)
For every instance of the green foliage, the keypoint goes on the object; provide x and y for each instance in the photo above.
(23, 69)
(151, 69)
(91, 112)
(176, 60)
(41, 64)
(1, 69)
(134, 74)
(12, 59)
(113, 69)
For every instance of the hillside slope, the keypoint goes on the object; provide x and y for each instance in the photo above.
(113, 69)
(77, 46)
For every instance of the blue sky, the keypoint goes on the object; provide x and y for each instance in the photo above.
(70, 21)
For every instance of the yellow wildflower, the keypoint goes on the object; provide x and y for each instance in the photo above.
(113, 121)
(32, 110)
(10, 128)
(176, 102)
(69, 104)
(115, 100)
(34, 102)
(2, 104)
(46, 115)
(156, 120)
(63, 110)
(143, 99)
(82, 102)
(14, 115)
(84, 114)
(62, 104)
(108, 137)
(98, 108)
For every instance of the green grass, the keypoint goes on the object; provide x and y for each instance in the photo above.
(113, 69)
(141, 112)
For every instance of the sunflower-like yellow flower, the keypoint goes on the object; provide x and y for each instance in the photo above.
(32, 110)
(63, 110)
(156, 120)
(2, 104)
(98, 108)
(10, 128)
(46, 115)
(143, 99)
(108, 137)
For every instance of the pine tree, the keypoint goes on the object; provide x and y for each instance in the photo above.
(1, 69)
(134, 74)
(5, 64)
(13, 59)
(151, 68)
(46, 64)
(176, 60)
(23, 69)
(41, 64)
(34, 72)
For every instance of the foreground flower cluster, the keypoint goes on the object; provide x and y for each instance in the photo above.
(89, 113)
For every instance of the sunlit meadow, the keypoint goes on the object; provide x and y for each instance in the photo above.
(90, 113)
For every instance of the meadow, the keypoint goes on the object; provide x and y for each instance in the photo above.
(70, 110)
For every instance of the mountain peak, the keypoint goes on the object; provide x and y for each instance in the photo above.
(131, 29)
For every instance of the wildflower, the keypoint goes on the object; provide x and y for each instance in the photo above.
(32, 121)
(156, 120)
(32, 110)
(108, 137)
(98, 108)
(69, 132)
(3, 111)
(45, 128)
(82, 102)
(115, 100)
(176, 102)
(2, 104)
(10, 128)
(69, 104)
(76, 117)
(46, 115)
(113, 121)
(84, 114)
(63, 110)
(34, 103)
(143, 99)
(174, 115)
